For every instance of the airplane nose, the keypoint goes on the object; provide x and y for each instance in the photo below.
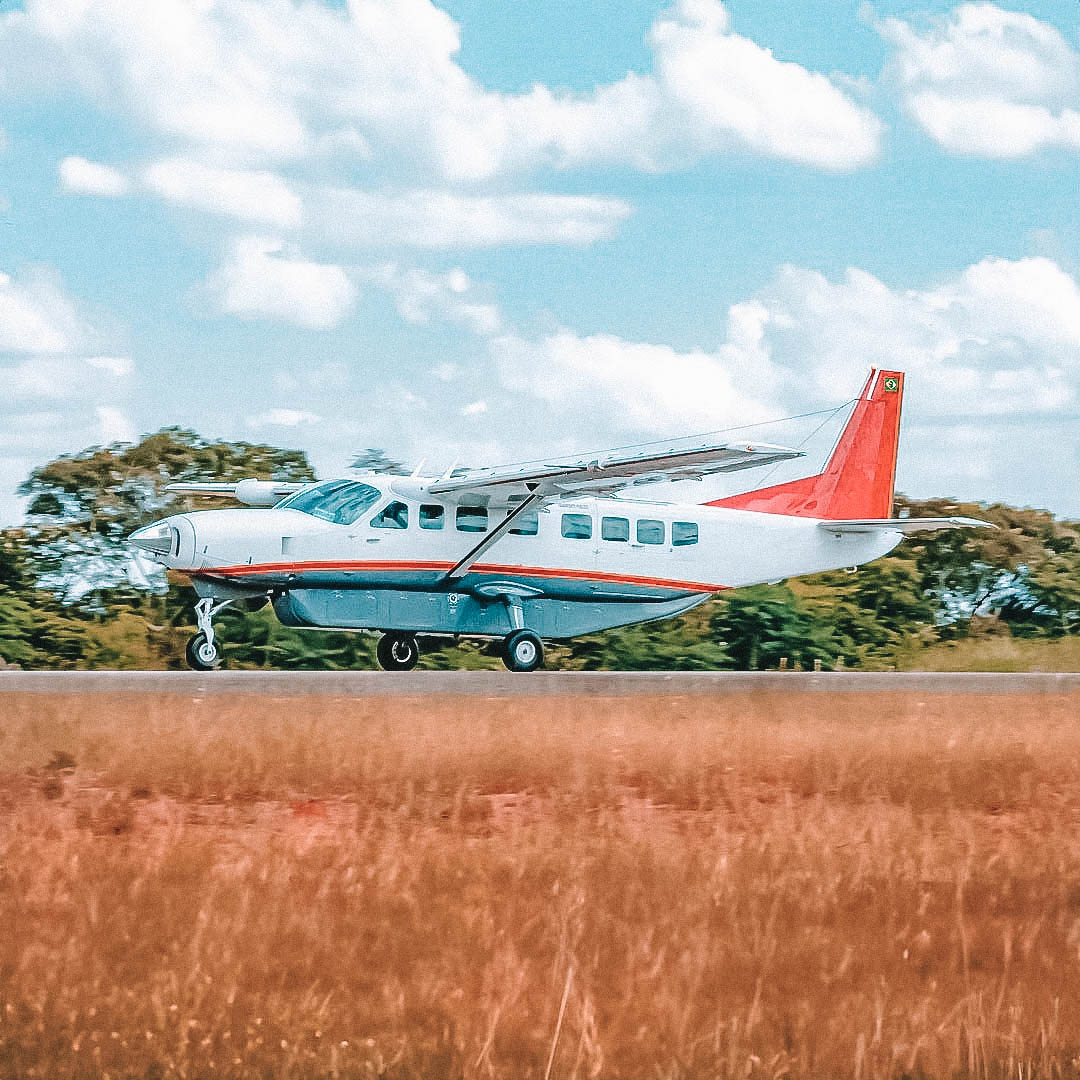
(158, 540)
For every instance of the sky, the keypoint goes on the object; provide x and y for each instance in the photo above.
(477, 232)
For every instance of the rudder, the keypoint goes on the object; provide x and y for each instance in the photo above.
(859, 478)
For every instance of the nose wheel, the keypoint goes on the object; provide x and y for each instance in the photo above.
(203, 655)
(523, 651)
(397, 652)
(203, 652)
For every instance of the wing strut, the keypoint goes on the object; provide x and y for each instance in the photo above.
(463, 564)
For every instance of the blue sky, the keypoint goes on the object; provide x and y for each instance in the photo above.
(484, 232)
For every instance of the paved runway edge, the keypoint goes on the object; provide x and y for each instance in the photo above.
(538, 684)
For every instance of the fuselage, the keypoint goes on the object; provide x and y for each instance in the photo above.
(574, 566)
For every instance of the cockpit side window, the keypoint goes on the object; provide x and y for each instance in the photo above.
(340, 502)
(394, 515)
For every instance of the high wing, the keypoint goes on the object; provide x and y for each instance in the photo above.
(613, 469)
(252, 492)
(904, 525)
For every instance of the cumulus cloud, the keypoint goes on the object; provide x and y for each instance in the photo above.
(37, 316)
(992, 349)
(260, 280)
(421, 296)
(272, 80)
(56, 398)
(429, 218)
(81, 177)
(250, 195)
(647, 390)
(282, 418)
(985, 81)
(115, 425)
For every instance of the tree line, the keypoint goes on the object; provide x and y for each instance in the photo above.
(71, 595)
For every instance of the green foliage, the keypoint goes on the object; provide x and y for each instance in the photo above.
(767, 623)
(668, 645)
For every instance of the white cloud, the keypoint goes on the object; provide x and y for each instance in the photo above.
(120, 367)
(630, 389)
(81, 177)
(356, 219)
(474, 408)
(282, 418)
(985, 81)
(115, 425)
(1000, 337)
(36, 315)
(992, 354)
(53, 378)
(270, 80)
(258, 280)
(256, 196)
(446, 372)
(421, 296)
(55, 398)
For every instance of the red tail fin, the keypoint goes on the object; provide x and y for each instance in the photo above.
(858, 480)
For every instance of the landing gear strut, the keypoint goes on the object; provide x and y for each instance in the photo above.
(203, 653)
(397, 652)
(523, 651)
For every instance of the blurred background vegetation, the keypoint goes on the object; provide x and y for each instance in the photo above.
(71, 595)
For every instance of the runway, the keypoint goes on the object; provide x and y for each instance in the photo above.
(497, 684)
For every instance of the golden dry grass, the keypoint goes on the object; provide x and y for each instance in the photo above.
(741, 886)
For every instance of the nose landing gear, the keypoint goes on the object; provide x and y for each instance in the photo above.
(203, 652)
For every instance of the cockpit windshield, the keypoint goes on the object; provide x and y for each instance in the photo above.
(337, 501)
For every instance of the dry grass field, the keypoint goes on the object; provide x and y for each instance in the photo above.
(748, 886)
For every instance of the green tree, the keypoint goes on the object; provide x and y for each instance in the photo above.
(666, 645)
(765, 623)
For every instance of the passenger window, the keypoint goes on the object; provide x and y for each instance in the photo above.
(650, 531)
(527, 524)
(472, 518)
(431, 516)
(577, 526)
(394, 515)
(613, 528)
(683, 533)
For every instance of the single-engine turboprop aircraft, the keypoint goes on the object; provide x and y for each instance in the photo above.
(541, 550)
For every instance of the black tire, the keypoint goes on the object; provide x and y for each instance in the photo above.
(523, 651)
(397, 652)
(202, 656)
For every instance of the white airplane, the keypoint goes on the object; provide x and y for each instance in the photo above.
(540, 550)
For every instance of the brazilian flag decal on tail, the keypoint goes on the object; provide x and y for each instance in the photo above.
(891, 385)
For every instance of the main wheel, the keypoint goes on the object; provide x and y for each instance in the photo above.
(397, 652)
(523, 651)
(201, 655)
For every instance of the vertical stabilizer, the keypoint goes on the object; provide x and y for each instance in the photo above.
(858, 480)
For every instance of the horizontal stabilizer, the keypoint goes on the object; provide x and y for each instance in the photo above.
(904, 525)
(251, 492)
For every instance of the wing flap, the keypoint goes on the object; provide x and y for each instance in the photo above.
(904, 525)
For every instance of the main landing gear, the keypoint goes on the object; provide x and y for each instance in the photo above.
(521, 651)
(397, 652)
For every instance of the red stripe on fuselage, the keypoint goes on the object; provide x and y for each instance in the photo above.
(254, 570)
